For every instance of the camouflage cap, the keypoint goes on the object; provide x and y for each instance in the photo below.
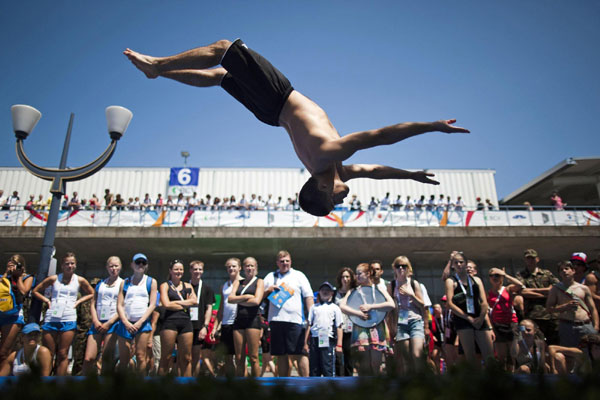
(530, 253)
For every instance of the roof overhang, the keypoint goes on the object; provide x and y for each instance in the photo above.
(577, 179)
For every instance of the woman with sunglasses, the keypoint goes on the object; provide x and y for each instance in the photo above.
(410, 332)
(176, 297)
(247, 294)
(60, 322)
(31, 354)
(12, 320)
(503, 316)
(467, 300)
(135, 304)
(104, 317)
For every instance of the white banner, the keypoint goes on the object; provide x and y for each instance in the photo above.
(242, 218)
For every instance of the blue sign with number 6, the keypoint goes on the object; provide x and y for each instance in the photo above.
(184, 177)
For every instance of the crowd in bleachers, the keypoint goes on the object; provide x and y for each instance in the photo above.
(537, 321)
(111, 201)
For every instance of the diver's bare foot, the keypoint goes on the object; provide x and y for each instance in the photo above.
(144, 63)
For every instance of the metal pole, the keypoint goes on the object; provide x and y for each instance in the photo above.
(50, 231)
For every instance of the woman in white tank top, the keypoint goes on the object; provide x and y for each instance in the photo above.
(19, 362)
(227, 312)
(60, 321)
(104, 316)
(135, 304)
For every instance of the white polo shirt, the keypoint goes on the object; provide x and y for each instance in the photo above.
(291, 311)
(323, 317)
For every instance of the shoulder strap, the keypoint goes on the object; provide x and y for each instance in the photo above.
(413, 283)
(126, 284)
(573, 296)
(98, 286)
(149, 284)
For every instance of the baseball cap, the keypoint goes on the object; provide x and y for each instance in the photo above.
(329, 285)
(530, 253)
(579, 257)
(139, 256)
(32, 327)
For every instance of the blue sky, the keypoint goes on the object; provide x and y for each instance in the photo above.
(522, 75)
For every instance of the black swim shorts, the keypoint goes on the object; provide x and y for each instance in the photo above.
(255, 83)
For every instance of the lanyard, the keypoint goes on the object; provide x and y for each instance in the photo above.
(248, 285)
(470, 294)
(176, 290)
(497, 300)
(199, 290)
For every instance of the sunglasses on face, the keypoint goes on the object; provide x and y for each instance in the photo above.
(141, 261)
(403, 266)
(495, 276)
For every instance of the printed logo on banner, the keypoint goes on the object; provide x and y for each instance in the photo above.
(545, 218)
(519, 216)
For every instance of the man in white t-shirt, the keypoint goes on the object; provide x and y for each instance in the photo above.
(380, 283)
(286, 321)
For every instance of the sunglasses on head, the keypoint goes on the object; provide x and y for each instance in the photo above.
(141, 261)
(176, 262)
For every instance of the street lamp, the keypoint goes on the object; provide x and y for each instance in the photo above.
(185, 156)
(25, 119)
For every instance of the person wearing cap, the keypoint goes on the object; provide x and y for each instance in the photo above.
(324, 334)
(32, 353)
(135, 304)
(247, 294)
(286, 320)
(579, 261)
(536, 286)
(60, 321)
(575, 307)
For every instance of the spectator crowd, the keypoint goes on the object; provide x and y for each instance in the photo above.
(111, 201)
(538, 321)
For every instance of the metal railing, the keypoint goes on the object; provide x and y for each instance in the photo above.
(342, 217)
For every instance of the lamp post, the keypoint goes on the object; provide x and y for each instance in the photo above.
(25, 119)
(185, 155)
